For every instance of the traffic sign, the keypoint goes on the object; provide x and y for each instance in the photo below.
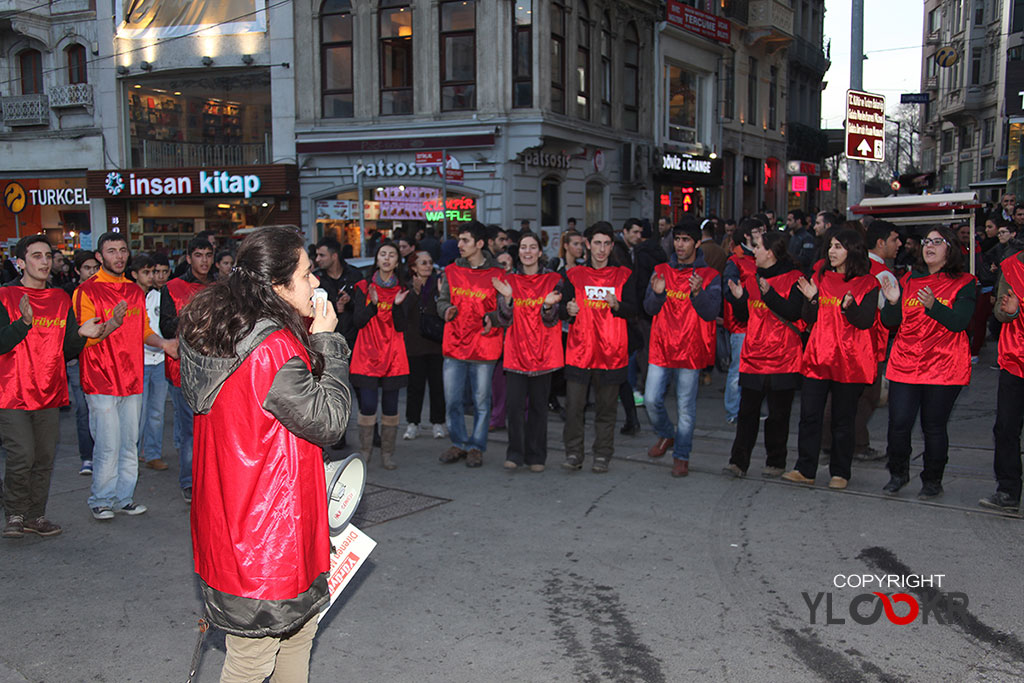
(915, 98)
(865, 126)
(430, 158)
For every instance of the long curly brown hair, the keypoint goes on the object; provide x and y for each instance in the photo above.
(221, 315)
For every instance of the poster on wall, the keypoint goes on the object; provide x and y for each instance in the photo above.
(145, 19)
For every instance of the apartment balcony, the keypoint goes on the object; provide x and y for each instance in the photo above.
(809, 55)
(155, 154)
(26, 110)
(73, 95)
(770, 24)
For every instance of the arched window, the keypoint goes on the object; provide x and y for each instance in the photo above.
(30, 65)
(557, 58)
(583, 61)
(458, 55)
(631, 79)
(75, 55)
(336, 59)
(594, 208)
(606, 70)
(395, 57)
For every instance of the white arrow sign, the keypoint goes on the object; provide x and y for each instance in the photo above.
(864, 148)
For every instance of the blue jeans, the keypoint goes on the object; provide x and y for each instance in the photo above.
(477, 376)
(732, 380)
(182, 436)
(687, 380)
(81, 411)
(151, 417)
(114, 421)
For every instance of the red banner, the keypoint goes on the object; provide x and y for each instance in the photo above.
(698, 21)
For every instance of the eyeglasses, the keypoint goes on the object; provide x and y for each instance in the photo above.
(1003, 232)
(930, 241)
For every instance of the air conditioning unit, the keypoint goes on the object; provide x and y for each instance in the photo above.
(636, 163)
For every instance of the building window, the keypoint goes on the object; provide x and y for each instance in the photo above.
(752, 92)
(966, 137)
(729, 89)
(522, 53)
(773, 88)
(336, 58)
(583, 62)
(557, 59)
(966, 174)
(682, 92)
(631, 79)
(550, 201)
(395, 58)
(979, 12)
(933, 21)
(594, 208)
(606, 71)
(30, 62)
(989, 131)
(976, 66)
(458, 55)
(947, 141)
(75, 55)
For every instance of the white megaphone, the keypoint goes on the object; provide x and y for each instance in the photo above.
(345, 481)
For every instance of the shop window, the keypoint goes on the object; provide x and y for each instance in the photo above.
(396, 93)
(180, 120)
(583, 61)
(631, 79)
(458, 55)
(75, 55)
(682, 107)
(550, 201)
(557, 58)
(336, 58)
(606, 70)
(522, 53)
(30, 63)
(594, 208)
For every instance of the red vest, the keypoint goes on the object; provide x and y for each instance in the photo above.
(530, 345)
(679, 337)
(259, 508)
(474, 295)
(747, 268)
(771, 347)
(380, 348)
(114, 366)
(880, 333)
(925, 352)
(1011, 336)
(597, 339)
(181, 293)
(33, 375)
(837, 350)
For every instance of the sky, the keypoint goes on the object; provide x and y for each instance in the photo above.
(892, 43)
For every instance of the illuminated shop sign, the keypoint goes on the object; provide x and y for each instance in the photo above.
(682, 168)
(456, 209)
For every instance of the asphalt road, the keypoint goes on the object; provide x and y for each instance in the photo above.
(485, 575)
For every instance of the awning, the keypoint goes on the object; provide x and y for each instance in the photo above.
(988, 184)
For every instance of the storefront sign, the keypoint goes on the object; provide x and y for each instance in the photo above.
(430, 158)
(456, 209)
(243, 181)
(690, 169)
(798, 183)
(388, 169)
(698, 21)
(794, 167)
(540, 159)
(345, 210)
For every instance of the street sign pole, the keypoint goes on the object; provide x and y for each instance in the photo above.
(444, 190)
(855, 169)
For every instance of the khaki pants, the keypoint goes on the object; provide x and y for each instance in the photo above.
(30, 439)
(251, 660)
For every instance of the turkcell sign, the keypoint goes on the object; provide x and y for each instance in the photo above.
(215, 182)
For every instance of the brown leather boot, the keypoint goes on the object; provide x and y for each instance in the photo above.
(388, 434)
(366, 424)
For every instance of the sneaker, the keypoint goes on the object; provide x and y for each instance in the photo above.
(440, 432)
(186, 494)
(573, 463)
(474, 458)
(411, 432)
(1002, 501)
(797, 478)
(837, 483)
(974, 360)
(157, 464)
(769, 472)
(733, 470)
(15, 527)
(510, 465)
(86, 470)
(638, 398)
(600, 466)
(102, 512)
(896, 482)
(43, 527)
(868, 454)
(731, 420)
(929, 490)
(134, 509)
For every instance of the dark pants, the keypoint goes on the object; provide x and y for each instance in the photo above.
(776, 427)
(424, 369)
(866, 405)
(812, 414)
(982, 310)
(526, 400)
(935, 403)
(30, 439)
(625, 393)
(368, 401)
(1009, 420)
(605, 396)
